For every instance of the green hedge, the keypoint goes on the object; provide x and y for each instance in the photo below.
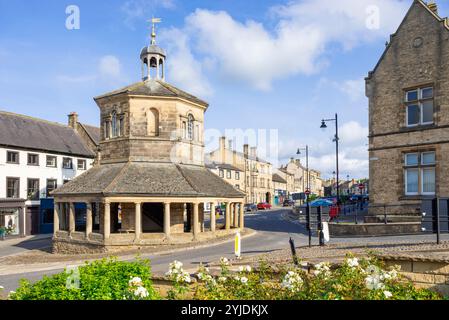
(106, 279)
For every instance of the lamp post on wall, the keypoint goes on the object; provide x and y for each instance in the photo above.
(336, 140)
(307, 191)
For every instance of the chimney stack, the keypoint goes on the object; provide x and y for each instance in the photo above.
(73, 120)
(433, 7)
(223, 149)
(246, 150)
(230, 145)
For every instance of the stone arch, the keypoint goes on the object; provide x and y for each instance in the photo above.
(153, 122)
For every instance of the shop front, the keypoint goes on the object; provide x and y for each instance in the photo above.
(12, 217)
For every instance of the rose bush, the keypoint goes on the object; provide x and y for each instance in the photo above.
(364, 279)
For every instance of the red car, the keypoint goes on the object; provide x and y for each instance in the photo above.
(264, 206)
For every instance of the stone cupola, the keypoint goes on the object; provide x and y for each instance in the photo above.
(153, 57)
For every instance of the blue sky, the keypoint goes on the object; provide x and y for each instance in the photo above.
(280, 65)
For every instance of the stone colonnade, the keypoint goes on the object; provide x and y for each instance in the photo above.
(234, 215)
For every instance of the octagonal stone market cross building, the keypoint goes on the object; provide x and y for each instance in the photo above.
(150, 186)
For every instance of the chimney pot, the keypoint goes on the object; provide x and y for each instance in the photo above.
(73, 120)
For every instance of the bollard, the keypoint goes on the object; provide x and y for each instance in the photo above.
(293, 249)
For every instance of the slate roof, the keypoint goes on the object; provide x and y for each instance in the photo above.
(154, 88)
(149, 179)
(224, 166)
(278, 178)
(93, 132)
(35, 134)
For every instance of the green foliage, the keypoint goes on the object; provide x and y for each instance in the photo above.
(106, 279)
(356, 279)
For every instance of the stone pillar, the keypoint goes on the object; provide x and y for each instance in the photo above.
(71, 217)
(88, 219)
(57, 211)
(138, 220)
(236, 215)
(213, 223)
(228, 216)
(167, 223)
(107, 220)
(231, 216)
(195, 220)
(242, 216)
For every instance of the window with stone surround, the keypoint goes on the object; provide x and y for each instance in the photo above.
(13, 188)
(419, 173)
(52, 184)
(12, 157)
(237, 175)
(228, 174)
(419, 106)
(221, 173)
(190, 127)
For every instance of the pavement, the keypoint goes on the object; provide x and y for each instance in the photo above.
(273, 229)
(13, 246)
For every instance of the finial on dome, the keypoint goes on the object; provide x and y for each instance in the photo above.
(153, 30)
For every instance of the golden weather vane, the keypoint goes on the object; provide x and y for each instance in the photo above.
(154, 21)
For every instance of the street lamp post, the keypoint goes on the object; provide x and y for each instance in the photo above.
(307, 192)
(336, 140)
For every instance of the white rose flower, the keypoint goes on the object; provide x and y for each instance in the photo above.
(222, 279)
(224, 261)
(388, 294)
(241, 269)
(135, 282)
(141, 292)
(244, 280)
(353, 262)
(373, 282)
(248, 269)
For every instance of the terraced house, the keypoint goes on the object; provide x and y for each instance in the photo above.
(36, 157)
(408, 93)
(257, 172)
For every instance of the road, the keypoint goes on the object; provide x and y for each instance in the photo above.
(273, 233)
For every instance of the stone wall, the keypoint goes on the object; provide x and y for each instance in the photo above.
(425, 273)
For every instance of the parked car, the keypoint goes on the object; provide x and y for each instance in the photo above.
(250, 207)
(264, 206)
(288, 203)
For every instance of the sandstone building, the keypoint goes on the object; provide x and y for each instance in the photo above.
(257, 178)
(150, 185)
(408, 93)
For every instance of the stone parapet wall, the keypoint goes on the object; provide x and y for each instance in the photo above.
(424, 273)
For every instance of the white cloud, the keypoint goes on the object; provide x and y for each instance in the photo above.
(109, 66)
(248, 51)
(108, 70)
(353, 153)
(187, 71)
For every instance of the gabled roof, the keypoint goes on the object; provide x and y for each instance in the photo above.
(93, 132)
(154, 88)
(425, 7)
(25, 132)
(149, 179)
(224, 166)
(278, 178)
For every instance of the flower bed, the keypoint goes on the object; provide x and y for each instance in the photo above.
(355, 279)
